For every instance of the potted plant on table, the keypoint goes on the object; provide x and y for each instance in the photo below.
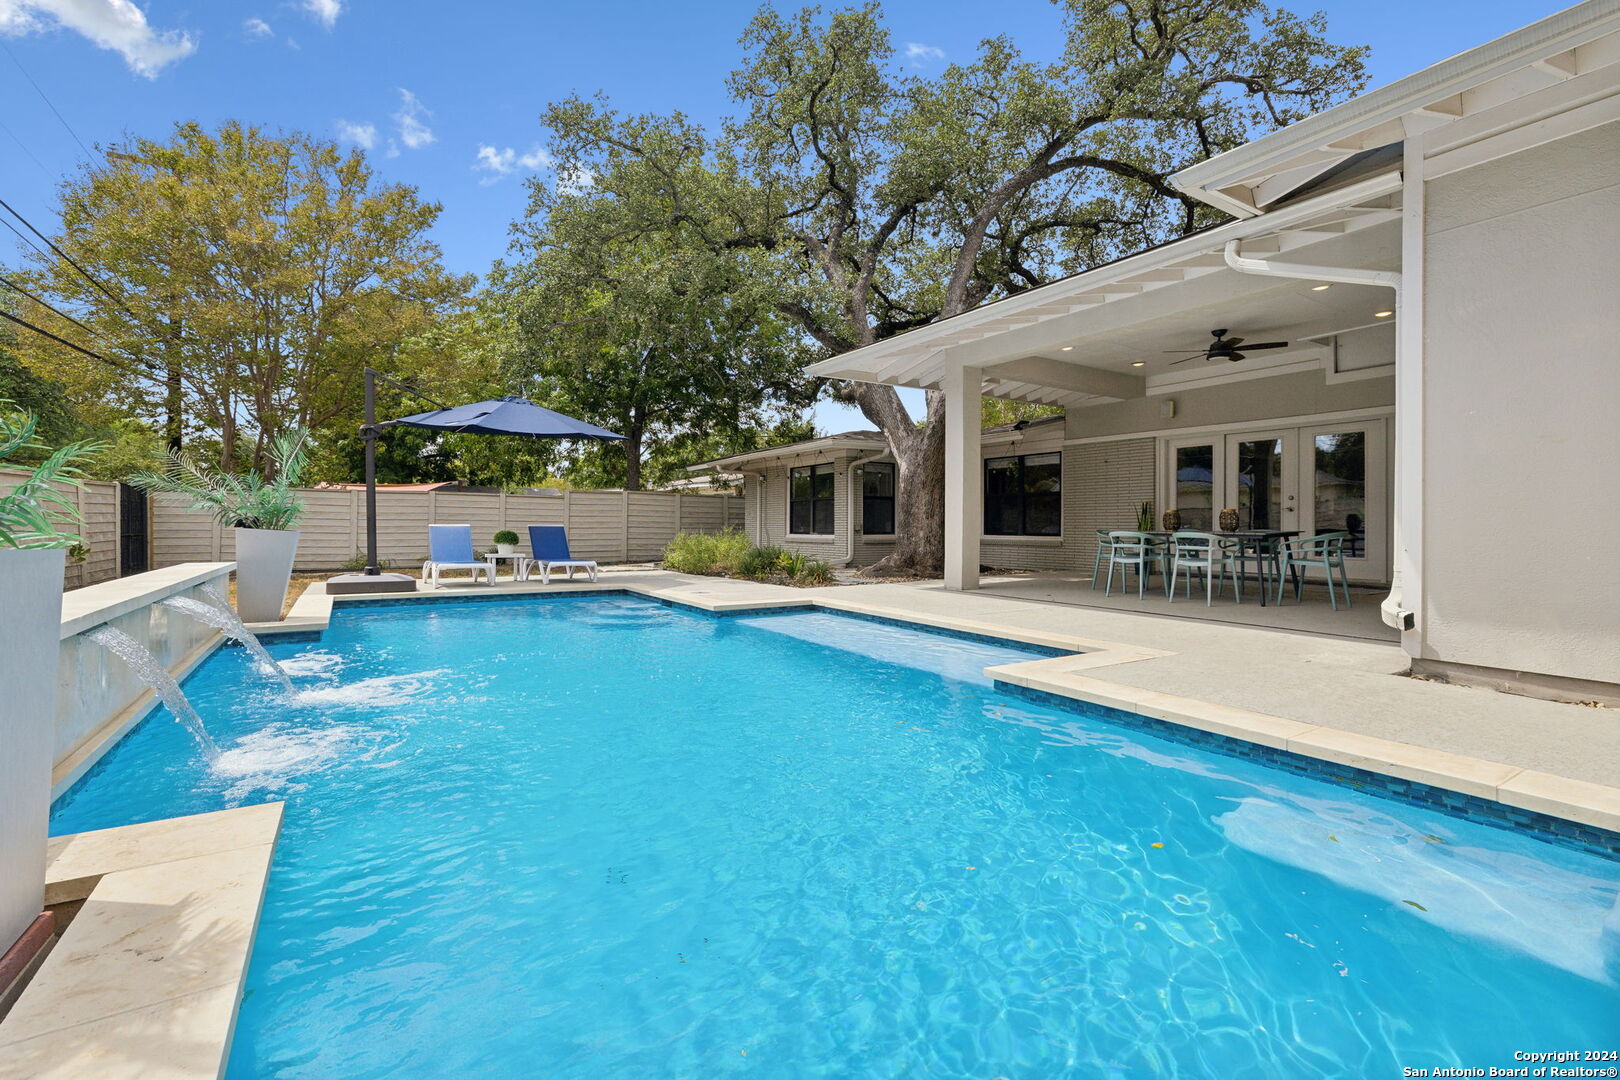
(35, 518)
(506, 542)
(262, 510)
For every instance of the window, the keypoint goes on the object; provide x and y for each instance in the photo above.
(810, 500)
(877, 498)
(1195, 486)
(1023, 496)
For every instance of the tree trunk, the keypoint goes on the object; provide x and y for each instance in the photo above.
(173, 397)
(632, 457)
(919, 494)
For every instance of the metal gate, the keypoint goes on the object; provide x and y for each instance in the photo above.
(133, 531)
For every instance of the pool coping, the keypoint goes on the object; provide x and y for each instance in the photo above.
(148, 976)
(1073, 676)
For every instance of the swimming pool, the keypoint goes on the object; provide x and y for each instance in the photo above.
(600, 837)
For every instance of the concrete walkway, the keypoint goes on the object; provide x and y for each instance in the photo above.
(1351, 685)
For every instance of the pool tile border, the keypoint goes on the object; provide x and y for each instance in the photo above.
(1556, 830)
(1521, 797)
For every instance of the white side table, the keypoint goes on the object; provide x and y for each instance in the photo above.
(520, 565)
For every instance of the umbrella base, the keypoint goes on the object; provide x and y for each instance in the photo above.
(369, 583)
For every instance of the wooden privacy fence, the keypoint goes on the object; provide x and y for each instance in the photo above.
(608, 526)
(97, 501)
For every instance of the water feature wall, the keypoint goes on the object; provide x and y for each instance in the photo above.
(99, 696)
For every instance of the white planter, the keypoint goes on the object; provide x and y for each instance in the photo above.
(506, 549)
(30, 637)
(264, 559)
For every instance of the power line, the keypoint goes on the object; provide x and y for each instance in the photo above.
(47, 100)
(24, 148)
(60, 340)
(54, 311)
(91, 278)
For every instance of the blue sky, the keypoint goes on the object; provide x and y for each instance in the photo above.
(447, 94)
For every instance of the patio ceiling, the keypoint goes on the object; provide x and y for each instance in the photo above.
(1079, 341)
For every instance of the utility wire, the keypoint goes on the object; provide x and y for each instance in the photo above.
(24, 148)
(54, 311)
(51, 105)
(59, 340)
(91, 278)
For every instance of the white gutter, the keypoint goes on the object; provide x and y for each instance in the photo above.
(849, 546)
(1394, 612)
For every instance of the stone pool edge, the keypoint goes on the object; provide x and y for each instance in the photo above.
(1073, 676)
(147, 977)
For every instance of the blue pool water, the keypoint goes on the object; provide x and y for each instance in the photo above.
(595, 837)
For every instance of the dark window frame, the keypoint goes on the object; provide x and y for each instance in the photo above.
(871, 502)
(818, 508)
(1007, 512)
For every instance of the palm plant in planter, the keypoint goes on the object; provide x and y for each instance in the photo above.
(36, 517)
(263, 510)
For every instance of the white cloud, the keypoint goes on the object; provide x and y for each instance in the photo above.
(504, 162)
(257, 27)
(324, 12)
(117, 25)
(920, 54)
(413, 132)
(363, 135)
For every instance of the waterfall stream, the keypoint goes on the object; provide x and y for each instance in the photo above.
(220, 616)
(153, 674)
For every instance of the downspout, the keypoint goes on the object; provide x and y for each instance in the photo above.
(1394, 611)
(849, 479)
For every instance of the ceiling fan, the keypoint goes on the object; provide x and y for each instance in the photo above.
(1225, 348)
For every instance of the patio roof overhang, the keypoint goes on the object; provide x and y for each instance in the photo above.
(1103, 335)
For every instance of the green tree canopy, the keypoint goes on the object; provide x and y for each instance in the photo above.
(654, 334)
(242, 280)
(880, 200)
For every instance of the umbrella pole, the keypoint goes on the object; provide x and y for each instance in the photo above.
(369, 434)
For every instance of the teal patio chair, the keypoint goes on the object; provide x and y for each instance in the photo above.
(1140, 551)
(1325, 550)
(1103, 544)
(1214, 556)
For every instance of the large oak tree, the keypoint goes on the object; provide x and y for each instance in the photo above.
(884, 200)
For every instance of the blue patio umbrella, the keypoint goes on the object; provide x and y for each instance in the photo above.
(509, 415)
(505, 416)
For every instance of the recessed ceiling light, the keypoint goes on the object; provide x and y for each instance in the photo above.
(1319, 288)
(1138, 363)
(1382, 314)
(1067, 348)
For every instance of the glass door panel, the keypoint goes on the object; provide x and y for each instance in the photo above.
(1347, 492)
(1193, 486)
(1260, 480)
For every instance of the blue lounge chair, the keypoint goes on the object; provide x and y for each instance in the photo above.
(550, 544)
(450, 548)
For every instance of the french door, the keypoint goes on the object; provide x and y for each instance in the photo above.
(1314, 479)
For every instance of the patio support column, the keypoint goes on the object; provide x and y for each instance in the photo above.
(964, 477)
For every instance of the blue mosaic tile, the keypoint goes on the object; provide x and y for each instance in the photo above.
(1546, 827)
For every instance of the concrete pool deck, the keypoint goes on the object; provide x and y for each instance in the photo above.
(1337, 699)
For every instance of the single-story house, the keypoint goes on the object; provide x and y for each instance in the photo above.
(1439, 259)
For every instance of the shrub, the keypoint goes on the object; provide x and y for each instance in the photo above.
(505, 536)
(706, 553)
(761, 561)
(813, 572)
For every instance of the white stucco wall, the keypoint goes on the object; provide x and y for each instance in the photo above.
(1522, 412)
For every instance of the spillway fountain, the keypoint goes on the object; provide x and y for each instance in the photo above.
(153, 674)
(221, 617)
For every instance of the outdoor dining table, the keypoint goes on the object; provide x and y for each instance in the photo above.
(1248, 539)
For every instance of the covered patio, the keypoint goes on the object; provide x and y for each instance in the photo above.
(1361, 621)
(1163, 405)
